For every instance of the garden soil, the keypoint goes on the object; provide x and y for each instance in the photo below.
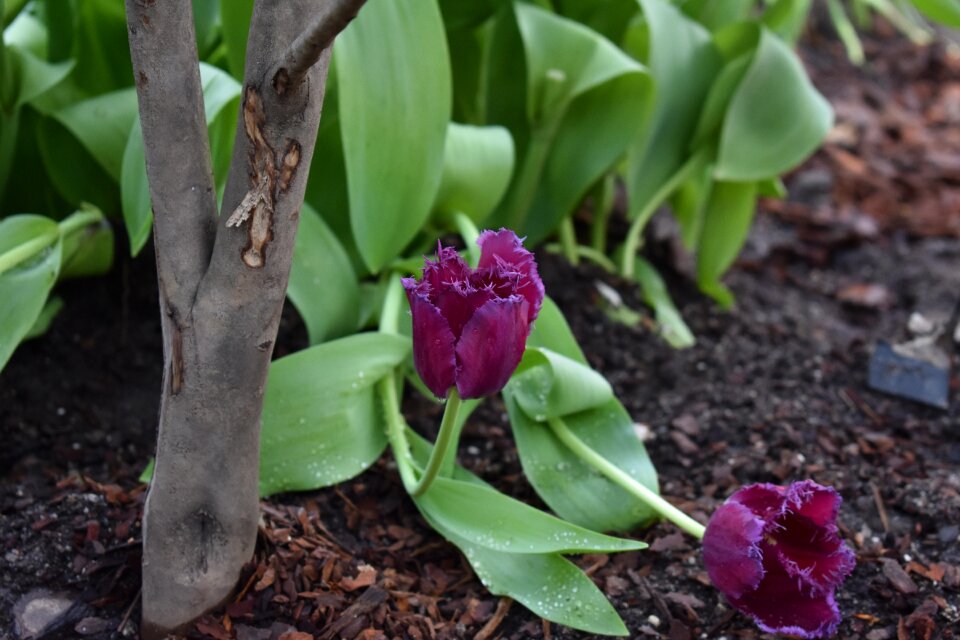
(775, 390)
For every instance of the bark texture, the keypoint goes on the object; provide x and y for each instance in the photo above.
(222, 287)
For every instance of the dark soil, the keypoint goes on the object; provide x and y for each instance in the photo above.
(774, 391)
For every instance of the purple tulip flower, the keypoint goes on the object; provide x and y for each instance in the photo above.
(776, 555)
(470, 326)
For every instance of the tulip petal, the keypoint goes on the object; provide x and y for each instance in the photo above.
(433, 343)
(816, 502)
(779, 607)
(491, 346)
(503, 251)
(731, 549)
(767, 501)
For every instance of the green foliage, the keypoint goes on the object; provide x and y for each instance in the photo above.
(321, 424)
(34, 252)
(394, 90)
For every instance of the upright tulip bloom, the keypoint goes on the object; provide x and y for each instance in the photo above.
(470, 326)
(776, 555)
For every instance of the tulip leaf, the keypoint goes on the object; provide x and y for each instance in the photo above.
(946, 12)
(102, 125)
(477, 165)
(323, 286)
(572, 488)
(717, 100)
(726, 222)
(487, 518)
(321, 421)
(775, 118)
(30, 254)
(546, 583)
(670, 323)
(221, 95)
(41, 325)
(394, 91)
(572, 73)
(236, 15)
(683, 62)
(548, 385)
(551, 330)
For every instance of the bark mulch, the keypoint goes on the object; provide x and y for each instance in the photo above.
(774, 391)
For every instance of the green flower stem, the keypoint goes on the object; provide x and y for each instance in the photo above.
(624, 480)
(568, 240)
(469, 233)
(27, 250)
(589, 253)
(85, 216)
(632, 243)
(388, 390)
(603, 194)
(449, 435)
(395, 431)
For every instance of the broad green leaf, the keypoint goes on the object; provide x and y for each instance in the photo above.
(477, 165)
(718, 99)
(715, 15)
(322, 423)
(394, 88)
(688, 203)
(206, 25)
(101, 48)
(775, 119)
(87, 249)
(549, 385)
(41, 325)
(670, 323)
(572, 74)
(946, 12)
(786, 18)
(572, 488)
(547, 584)
(75, 173)
(550, 330)
(29, 263)
(236, 15)
(610, 18)
(221, 94)
(683, 62)
(726, 222)
(31, 76)
(323, 286)
(102, 125)
(485, 517)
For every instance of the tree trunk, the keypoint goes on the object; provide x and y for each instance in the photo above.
(222, 282)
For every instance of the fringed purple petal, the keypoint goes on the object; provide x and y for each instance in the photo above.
(503, 252)
(433, 342)
(767, 501)
(731, 550)
(491, 346)
(816, 502)
(778, 606)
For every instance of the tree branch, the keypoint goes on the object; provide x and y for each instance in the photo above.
(303, 53)
(163, 47)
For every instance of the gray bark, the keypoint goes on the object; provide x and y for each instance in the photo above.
(222, 286)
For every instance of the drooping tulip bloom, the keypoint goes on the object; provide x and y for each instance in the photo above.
(470, 326)
(776, 554)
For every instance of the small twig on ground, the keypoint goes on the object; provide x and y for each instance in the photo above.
(126, 615)
(881, 509)
(488, 629)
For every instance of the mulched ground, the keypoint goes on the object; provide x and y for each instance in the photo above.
(772, 392)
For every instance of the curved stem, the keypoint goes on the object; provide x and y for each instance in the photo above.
(603, 196)
(469, 233)
(449, 434)
(388, 390)
(28, 249)
(632, 243)
(624, 480)
(395, 434)
(589, 253)
(568, 241)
